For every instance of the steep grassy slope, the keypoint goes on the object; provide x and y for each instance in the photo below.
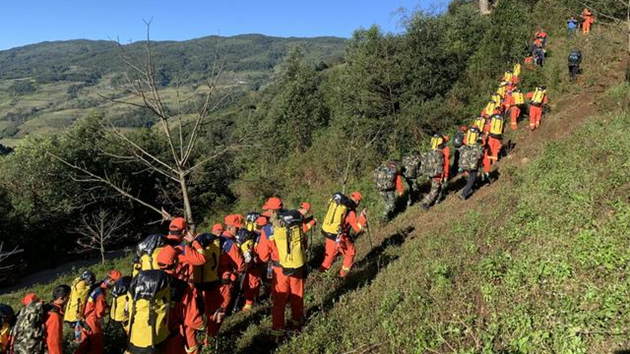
(536, 262)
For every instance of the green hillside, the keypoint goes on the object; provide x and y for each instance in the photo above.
(534, 262)
(45, 87)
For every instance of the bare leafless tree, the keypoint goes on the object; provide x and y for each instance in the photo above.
(180, 127)
(6, 254)
(98, 231)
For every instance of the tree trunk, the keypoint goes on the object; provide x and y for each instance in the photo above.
(102, 254)
(484, 7)
(187, 209)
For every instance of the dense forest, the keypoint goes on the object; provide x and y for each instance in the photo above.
(319, 127)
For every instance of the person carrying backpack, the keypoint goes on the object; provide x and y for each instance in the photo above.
(572, 25)
(27, 335)
(156, 307)
(435, 165)
(54, 319)
(289, 271)
(537, 101)
(92, 339)
(388, 179)
(231, 266)
(190, 254)
(493, 142)
(7, 321)
(411, 174)
(514, 101)
(459, 140)
(471, 155)
(574, 60)
(538, 53)
(340, 227)
(254, 269)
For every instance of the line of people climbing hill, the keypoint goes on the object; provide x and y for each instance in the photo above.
(476, 148)
(182, 285)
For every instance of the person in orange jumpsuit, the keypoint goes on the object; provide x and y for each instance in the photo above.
(54, 319)
(587, 21)
(512, 108)
(231, 265)
(168, 261)
(344, 242)
(494, 145)
(439, 183)
(92, 341)
(254, 271)
(190, 254)
(288, 284)
(536, 110)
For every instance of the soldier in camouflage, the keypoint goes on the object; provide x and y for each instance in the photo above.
(438, 174)
(388, 181)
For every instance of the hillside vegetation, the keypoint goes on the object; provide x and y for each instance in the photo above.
(45, 87)
(535, 262)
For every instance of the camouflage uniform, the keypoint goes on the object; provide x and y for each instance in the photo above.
(389, 197)
(436, 185)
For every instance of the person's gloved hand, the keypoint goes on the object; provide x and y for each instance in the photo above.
(247, 256)
(219, 315)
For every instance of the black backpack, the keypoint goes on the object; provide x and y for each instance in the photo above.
(575, 57)
(7, 315)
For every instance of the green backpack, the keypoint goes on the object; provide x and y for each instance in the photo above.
(28, 333)
(432, 164)
(470, 156)
(411, 166)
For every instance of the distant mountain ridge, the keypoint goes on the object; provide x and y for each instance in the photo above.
(246, 52)
(45, 87)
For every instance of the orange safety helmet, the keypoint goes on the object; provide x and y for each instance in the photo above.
(356, 196)
(273, 203)
(306, 206)
(115, 275)
(167, 258)
(178, 224)
(217, 228)
(234, 221)
(28, 298)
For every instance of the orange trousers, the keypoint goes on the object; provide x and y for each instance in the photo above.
(535, 115)
(193, 320)
(251, 287)
(586, 25)
(94, 342)
(286, 289)
(218, 298)
(494, 147)
(91, 344)
(345, 247)
(515, 113)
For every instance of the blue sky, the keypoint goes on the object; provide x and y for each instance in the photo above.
(31, 21)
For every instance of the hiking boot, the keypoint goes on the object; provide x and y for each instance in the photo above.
(462, 197)
(425, 207)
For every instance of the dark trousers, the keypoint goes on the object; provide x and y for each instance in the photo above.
(573, 71)
(470, 184)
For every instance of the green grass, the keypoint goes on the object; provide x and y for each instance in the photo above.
(544, 274)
